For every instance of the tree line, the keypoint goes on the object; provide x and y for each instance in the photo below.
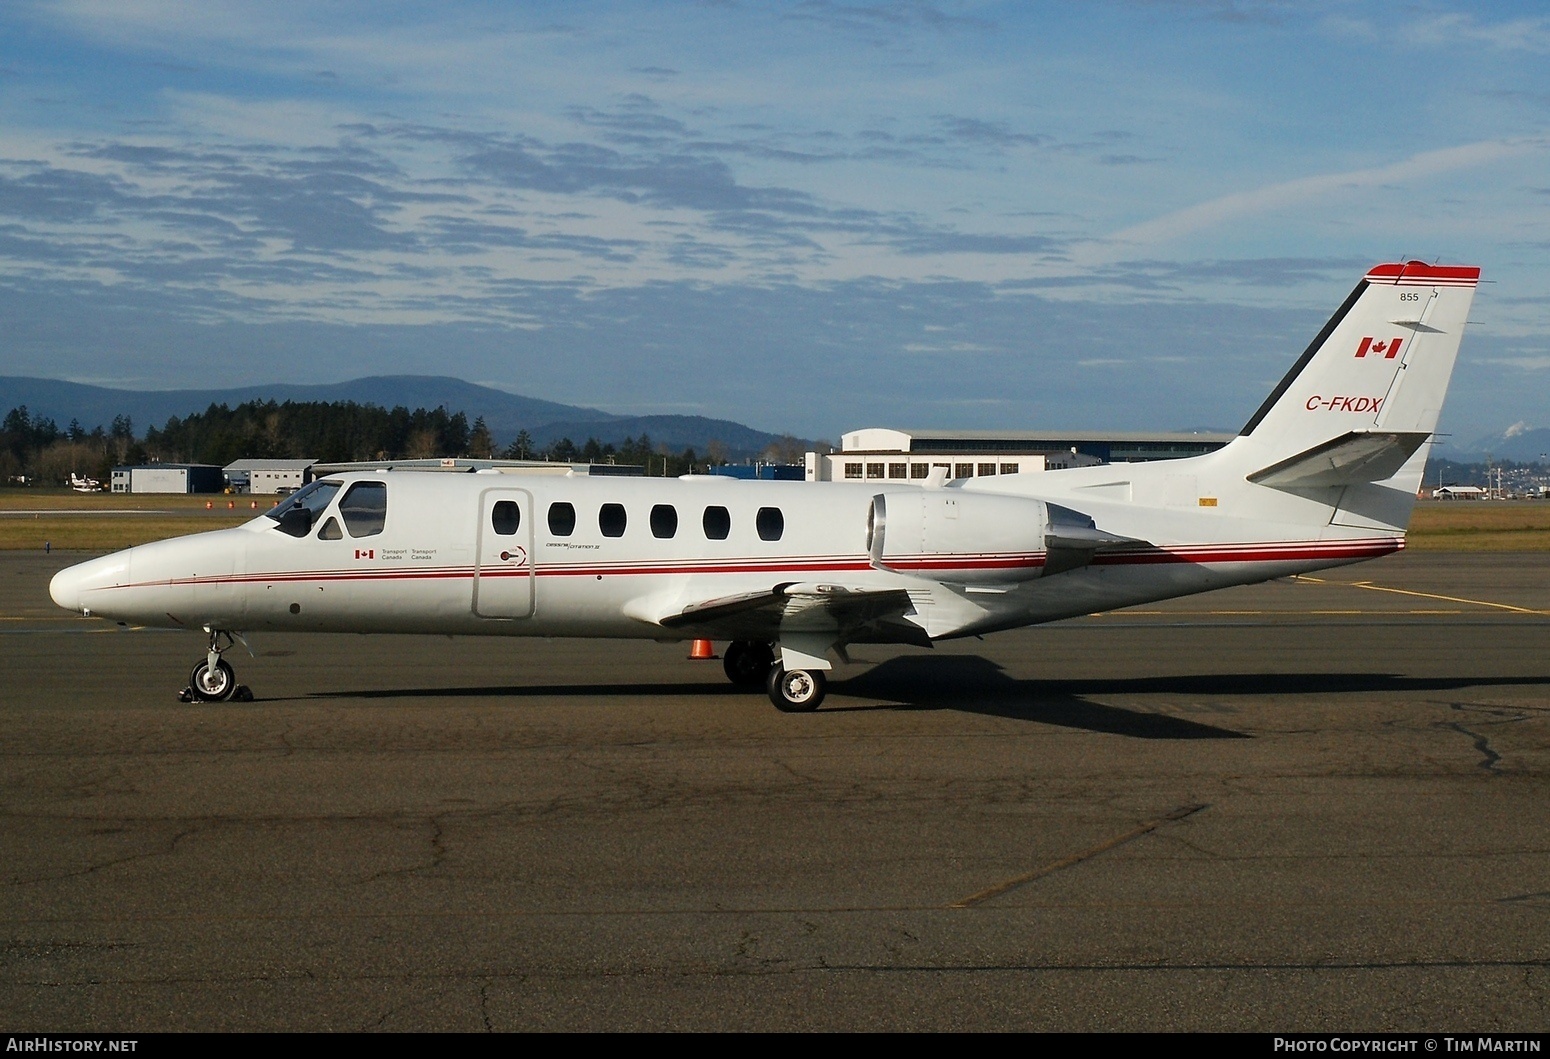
(34, 448)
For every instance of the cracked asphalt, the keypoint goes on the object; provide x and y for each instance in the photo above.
(1316, 804)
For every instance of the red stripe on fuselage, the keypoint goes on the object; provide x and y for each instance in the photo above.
(942, 566)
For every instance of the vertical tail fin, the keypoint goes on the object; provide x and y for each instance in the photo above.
(1356, 411)
(1382, 363)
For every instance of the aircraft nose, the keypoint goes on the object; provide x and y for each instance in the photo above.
(66, 588)
(72, 586)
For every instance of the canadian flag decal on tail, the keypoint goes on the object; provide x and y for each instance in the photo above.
(1388, 350)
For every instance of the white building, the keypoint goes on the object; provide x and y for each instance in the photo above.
(268, 476)
(1460, 492)
(167, 478)
(878, 452)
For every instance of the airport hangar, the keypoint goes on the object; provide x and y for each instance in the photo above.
(879, 452)
(871, 453)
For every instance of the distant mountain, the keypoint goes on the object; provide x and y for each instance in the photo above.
(676, 432)
(504, 413)
(1517, 444)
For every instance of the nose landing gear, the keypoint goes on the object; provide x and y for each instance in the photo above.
(213, 679)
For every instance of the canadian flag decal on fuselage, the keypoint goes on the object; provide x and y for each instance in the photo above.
(1389, 349)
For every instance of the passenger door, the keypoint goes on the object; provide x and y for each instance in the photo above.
(503, 572)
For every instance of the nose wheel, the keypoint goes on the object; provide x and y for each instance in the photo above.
(213, 684)
(213, 679)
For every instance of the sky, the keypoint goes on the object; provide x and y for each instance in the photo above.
(808, 217)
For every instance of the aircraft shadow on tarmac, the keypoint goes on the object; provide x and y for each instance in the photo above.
(971, 684)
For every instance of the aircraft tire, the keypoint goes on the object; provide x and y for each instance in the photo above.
(747, 663)
(796, 690)
(213, 687)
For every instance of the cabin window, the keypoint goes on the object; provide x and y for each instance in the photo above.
(1009, 468)
(963, 470)
(562, 519)
(897, 470)
(770, 523)
(330, 531)
(718, 523)
(664, 521)
(505, 517)
(853, 470)
(364, 508)
(611, 520)
(297, 515)
(919, 470)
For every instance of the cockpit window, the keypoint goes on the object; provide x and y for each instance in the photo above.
(364, 507)
(297, 514)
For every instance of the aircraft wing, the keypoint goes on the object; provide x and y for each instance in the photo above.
(848, 613)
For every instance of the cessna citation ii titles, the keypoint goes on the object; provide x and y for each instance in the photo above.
(1324, 474)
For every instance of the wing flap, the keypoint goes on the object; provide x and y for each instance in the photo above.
(800, 607)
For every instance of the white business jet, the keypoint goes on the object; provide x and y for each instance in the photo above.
(1324, 474)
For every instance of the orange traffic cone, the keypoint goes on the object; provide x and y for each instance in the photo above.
(700, 650)
(208, 505)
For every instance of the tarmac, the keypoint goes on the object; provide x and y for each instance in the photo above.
(1313, 805)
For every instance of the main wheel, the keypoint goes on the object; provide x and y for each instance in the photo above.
(796, 690)
(213, 685)
(748, 663)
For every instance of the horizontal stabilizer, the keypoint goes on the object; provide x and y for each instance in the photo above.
(1351, 459)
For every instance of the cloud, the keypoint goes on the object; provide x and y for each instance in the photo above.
(1180, 223)
(880, 22)
(1450, 29)
(926, 242)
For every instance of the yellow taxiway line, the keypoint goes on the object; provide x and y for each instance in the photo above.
(1426, 595)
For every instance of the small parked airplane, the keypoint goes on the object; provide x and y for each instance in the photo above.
(84, 485)
(1324, 474)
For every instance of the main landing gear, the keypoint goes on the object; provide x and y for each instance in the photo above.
(796, 690)
(748, 663)
(752, 664)
(213, 679)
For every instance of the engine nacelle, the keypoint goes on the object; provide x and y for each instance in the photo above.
(951, 535)
(980, 538)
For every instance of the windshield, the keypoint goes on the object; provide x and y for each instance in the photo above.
(297, 514)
